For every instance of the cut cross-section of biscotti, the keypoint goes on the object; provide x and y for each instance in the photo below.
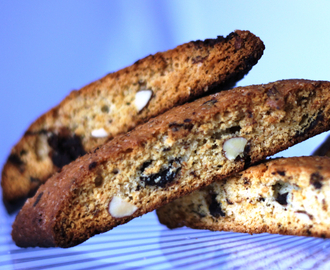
(120, 101)
(172, 155)
(284, 196)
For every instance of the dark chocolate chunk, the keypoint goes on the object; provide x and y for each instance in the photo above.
(38, 199)
(175, 126)
(215, 207)
(92, 165)
(163, 177)
(65, 149)
(246, 181)
(282, 173)
(15, 160)
(187, 120)
(310, 126)
(247, 163)
(145, 165)
(282, 198)
(316, 179)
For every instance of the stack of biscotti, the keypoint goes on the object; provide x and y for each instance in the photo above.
(183, 150)
(122, 100)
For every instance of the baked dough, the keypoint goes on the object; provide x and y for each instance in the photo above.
(184, 149)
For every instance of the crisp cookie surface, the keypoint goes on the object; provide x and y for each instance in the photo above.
(122, 100)
(170, 156)
(284, 196)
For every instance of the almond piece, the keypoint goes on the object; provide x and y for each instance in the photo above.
(234, 147)
(99, 133)
(119, 208)
(142, 98)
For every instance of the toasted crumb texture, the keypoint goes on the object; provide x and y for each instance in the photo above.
(170, 156)
(122, 100)
(284, 196)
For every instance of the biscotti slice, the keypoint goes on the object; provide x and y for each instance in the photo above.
(172, 155)
(120, 101)
(284, 196)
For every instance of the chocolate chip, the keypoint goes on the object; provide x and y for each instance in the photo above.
(92, 165)
(175, 126)
(261, 199)
(247, 163)
(316, 179)
(15, 160)
(282, 173)
(163, 177)
(187, 120)
(246, 181)
(215, 207)
(310, 126)
(282, 198)
(145, 165)
(38, 199)
(65, 149)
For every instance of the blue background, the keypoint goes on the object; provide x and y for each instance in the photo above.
(48, 48)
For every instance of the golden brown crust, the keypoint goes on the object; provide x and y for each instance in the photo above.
(170, 156)
(283, 196)
(175, 77)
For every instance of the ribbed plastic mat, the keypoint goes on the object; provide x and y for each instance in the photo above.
(145, 244)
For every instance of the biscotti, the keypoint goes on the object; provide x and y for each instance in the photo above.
(182, 150)
(120, 101)
(283, 196)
